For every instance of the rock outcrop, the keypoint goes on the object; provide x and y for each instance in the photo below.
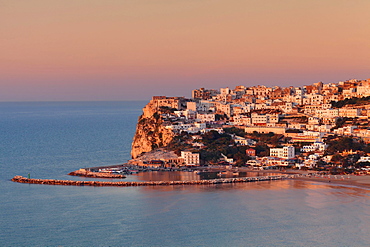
(157, 154)
(150, 132)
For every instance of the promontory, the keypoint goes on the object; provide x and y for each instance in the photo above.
(319, 126)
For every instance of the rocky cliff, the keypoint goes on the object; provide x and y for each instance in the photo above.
(150, 133)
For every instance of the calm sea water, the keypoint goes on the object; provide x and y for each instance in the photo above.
(48, 140)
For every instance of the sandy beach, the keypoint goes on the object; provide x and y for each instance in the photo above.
(351, 180)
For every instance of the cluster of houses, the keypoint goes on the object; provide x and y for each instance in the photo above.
(158, 158)
(305, 114)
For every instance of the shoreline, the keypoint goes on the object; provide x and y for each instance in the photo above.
(348, 180)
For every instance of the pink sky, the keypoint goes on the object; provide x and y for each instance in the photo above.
(133, 49)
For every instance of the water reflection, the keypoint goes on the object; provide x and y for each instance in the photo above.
(187, 176)
(166, 176)
(318, 191)
(268, 212)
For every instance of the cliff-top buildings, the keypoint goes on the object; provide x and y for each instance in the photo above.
(303, 114)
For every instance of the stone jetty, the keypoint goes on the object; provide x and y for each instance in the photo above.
(20, 179)
(90, 174)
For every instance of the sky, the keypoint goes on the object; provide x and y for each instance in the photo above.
(52, 50)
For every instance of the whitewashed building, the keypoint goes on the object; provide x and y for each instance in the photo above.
(190, 158)
(349, 112)
(320, 146)
(284, 152)
(207, 117)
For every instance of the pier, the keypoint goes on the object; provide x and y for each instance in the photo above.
(21, 179)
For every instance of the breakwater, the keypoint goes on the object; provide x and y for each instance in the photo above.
(20, 179)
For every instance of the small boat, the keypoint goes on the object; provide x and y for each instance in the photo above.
(223, 173)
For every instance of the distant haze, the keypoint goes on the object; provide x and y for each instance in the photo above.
(133, 49)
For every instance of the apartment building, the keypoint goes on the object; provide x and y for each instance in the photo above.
(350, 112)
(190, 158)
(206, 117)
(264, 118)
(284, 152)
(171, 102)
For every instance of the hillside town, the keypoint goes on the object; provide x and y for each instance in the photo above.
(320, 126)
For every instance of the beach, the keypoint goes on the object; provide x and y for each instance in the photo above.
(348, 180)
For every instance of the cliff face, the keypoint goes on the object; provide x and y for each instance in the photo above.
(150, 133)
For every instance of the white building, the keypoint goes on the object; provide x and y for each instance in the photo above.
(205, 106)
(275, 161)
(207, 117)
(326, 128)
(348, 130)
(190, 158)
(316, 99)
(191, 106)
(224, 91)
(331, 113)
(242, 120)
(190, 128)
(225, 108)
(313, 134)
(311, 109)
(363, 90)
(284, 152)
(264, 118)
(241, 109)
(219, 130)
(314, 120)
(201, 106)
(179, 127)
(349, 93)
(188, 114)
(261, 90)
(243, 141)
(288, 107)
(320, 146)
(349, 112)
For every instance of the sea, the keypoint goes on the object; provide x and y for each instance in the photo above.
(51, 139)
